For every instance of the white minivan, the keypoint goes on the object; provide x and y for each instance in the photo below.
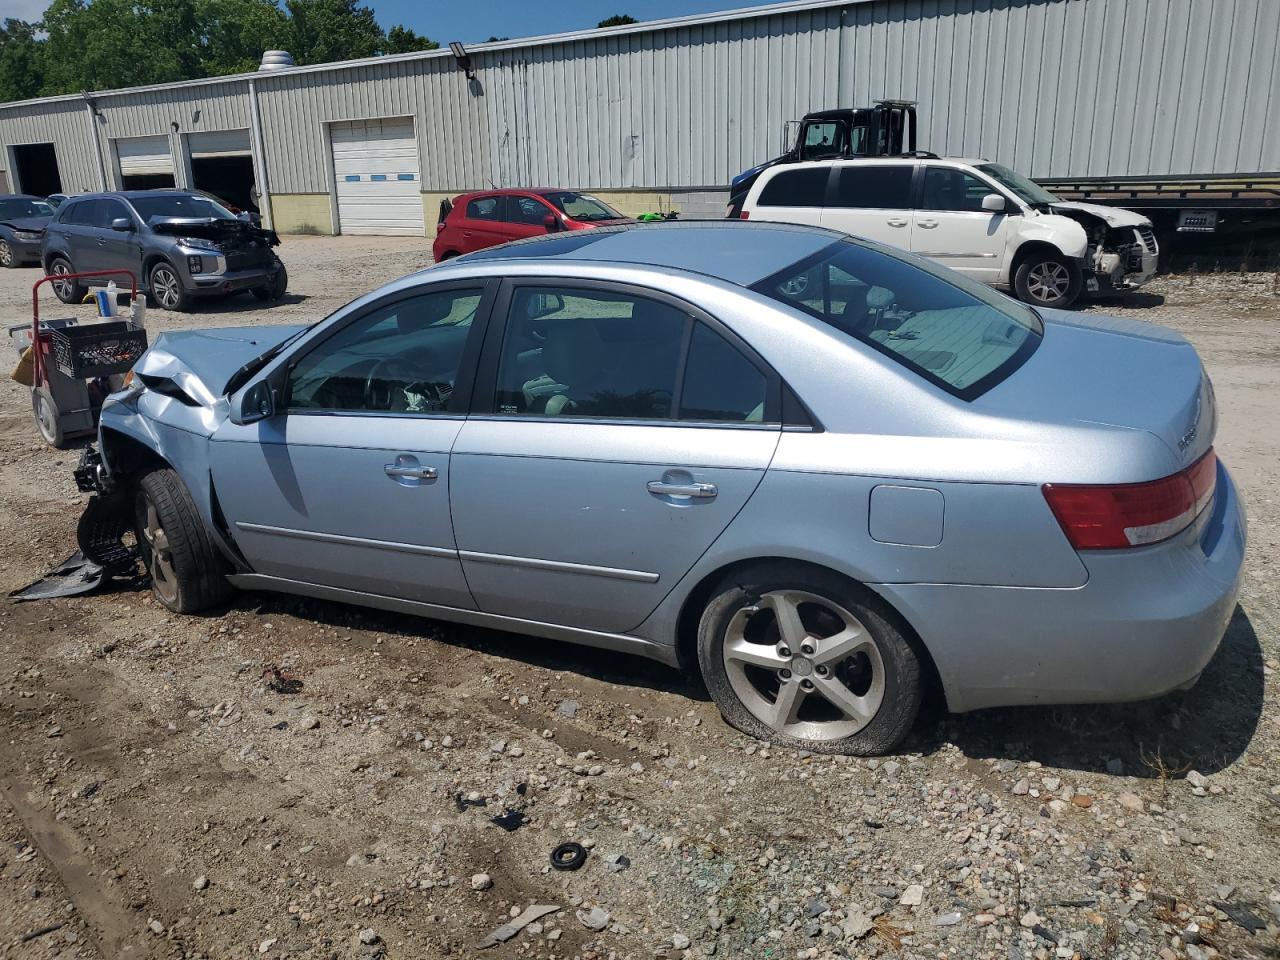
(979, 218)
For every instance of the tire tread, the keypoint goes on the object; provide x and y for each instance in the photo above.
(199, 566)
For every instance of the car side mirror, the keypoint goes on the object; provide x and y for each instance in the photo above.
(257, 402)
(551, 222)
(123, 224)
(993, 202)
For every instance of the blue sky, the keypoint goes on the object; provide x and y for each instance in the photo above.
(473, 21)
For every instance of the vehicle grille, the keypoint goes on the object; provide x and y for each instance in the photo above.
(1148, 238)
(247, 259)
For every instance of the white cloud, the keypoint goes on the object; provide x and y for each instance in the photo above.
(30, 10)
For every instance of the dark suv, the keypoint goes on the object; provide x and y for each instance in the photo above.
(180, 245)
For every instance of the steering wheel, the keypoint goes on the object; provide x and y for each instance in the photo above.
(378, 389)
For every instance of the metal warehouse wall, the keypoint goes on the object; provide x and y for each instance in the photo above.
(1054, 88)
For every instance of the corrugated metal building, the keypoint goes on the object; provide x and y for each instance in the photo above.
(665, 113)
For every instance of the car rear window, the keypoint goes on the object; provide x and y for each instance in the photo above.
(957, 334)
(796, 188)
(874, 186)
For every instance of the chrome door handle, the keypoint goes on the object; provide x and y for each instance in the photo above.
(699, 491)
(412, 473)
(896, 222)
(926, 224)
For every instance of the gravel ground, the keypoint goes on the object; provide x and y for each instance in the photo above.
(303, 778)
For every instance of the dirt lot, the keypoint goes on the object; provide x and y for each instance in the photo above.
(159, 799)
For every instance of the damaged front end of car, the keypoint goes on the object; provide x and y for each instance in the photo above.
(1122, 254)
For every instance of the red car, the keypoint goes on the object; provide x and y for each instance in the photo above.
(474, 221)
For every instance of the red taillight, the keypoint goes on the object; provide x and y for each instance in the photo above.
(1133, 514)
(745, 215)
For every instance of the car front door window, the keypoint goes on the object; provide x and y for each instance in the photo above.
(402, 358)
(951, 227)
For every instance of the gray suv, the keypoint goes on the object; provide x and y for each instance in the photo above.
(180, 245)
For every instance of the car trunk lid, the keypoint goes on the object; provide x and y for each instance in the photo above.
(1118, 373)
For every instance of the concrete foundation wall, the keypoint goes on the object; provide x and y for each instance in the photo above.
(301, 213)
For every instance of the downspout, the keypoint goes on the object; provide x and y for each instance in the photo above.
(260, 157)
(97, 143)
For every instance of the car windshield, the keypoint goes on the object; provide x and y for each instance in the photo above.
(1027, 190)
(579, 206)
(179, 206)
(15, 209)
(956, 333)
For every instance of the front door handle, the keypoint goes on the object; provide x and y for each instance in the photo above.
(926, 224)
(697, 491)
(896, 222)
(411, 473)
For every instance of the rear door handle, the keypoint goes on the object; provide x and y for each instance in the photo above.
(896, 222)
(926, 224)
(697, 491)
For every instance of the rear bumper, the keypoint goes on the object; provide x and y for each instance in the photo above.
(1148, 621)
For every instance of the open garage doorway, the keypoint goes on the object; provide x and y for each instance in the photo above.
(221, 164)
(36, 166)
(145, 162)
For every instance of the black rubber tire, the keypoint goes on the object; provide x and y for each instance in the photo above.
(8, 258)
(75, 291)
(1022, 281)
(274, 290)
(183, 299)
(447, 255)
(200, 569)
(904, 676)
(50, 428)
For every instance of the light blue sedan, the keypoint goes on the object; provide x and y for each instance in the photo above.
(828, 475)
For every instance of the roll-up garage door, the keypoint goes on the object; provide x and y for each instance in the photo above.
(219, 143)
(144, 156)
(375, 165)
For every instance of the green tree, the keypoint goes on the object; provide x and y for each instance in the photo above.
(234, 33)
(403, 40)
(618, 20)
(21, 61)
(322, 31)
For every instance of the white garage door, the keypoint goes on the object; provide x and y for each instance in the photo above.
(219, 143)
(144, 156)
(375, 166)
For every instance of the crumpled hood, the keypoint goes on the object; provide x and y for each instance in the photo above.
(1112, 216)
(36, 224)
(212, 228)
(202, 361)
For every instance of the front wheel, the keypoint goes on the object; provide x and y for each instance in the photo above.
(806, 658)
(167, 291)
(188, 574)
(8, 258)
(1047, 280)
(276, 288)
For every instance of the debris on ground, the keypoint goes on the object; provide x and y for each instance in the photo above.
(509, 929)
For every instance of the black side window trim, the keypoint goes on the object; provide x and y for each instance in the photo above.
(463, 388)
(486, 383)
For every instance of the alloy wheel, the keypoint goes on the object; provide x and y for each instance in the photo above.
(61, 287)
(164, 579)
(804, 665)
(6, 254)
(1048, 281)
(164, 287)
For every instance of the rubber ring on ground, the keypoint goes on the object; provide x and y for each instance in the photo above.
(568, 856)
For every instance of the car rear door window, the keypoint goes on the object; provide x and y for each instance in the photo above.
(526, 211)
(720, 384)
(796, 188)
(400, 358)
(946, 188)
(584, 353)
(954, 332)
(879, 186)
(485, 208)
(82, 213)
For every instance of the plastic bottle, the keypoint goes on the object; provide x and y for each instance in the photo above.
(113, 298)
(138, 314)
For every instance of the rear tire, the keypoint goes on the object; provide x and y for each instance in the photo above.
(167, 291)
(809, 659)
(1047, 280)
(188, 574)
(68, 291)
(48, 421)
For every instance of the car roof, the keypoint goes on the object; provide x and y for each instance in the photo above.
(21, 196)
(514, 191)
(739, 252)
